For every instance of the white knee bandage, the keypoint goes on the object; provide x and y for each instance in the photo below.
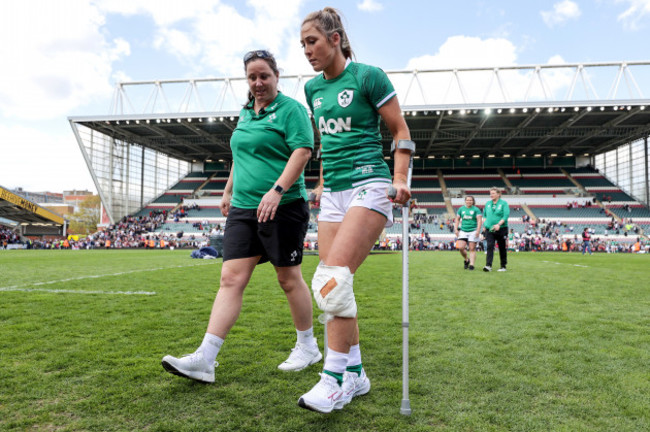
(332, 287)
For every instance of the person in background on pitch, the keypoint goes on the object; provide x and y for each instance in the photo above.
(348, 99)
(265, 202)
(586, 241)
(495, 214)
(469, 219)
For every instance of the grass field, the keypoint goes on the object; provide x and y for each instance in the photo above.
(560, 342)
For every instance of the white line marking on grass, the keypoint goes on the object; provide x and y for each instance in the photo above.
(574, 265)
(57, 291)
(65, 291)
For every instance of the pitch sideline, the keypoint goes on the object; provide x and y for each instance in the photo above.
(64, 291)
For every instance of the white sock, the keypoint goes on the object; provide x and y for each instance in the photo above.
(354, 358)
(335, 361)
(306, 337)
(210, 346)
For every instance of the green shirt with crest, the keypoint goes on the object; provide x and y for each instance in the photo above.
(262, 144)
(468, 218)
(346, 113)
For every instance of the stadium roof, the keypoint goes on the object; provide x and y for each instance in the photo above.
(521, 115)
(19, 209)
(521, 129)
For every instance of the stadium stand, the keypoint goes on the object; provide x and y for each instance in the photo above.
(549, 207)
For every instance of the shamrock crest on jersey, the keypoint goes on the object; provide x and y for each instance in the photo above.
(345, 98)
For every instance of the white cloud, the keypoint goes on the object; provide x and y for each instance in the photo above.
(370, 6)
(56, 59)
(164, 12)
(48, 159)
(561, 13)
(210, 37)
(59, 57)
(62, 58)
(464, 52)
(637, 11)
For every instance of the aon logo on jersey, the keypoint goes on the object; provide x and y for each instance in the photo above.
(333, 126)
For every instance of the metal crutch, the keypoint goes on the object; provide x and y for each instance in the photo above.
(322, 318)
(406, 403)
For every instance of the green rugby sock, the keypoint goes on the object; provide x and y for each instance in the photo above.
(338, 376)
(356, 368)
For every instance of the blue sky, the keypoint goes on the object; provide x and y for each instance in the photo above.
(64, 58)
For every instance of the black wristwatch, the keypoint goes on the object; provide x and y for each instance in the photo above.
(279, 189)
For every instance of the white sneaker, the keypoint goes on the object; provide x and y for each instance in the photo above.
(487, 269)
(193, 366)
(324, 397)
(355, 385)
(301, 356)
(502, 269)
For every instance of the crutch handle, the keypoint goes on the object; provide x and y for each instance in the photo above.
(392, 192)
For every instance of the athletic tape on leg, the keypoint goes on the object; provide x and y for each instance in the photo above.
(332, 287)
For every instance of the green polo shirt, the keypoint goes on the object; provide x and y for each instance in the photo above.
(261, 146)
(494, 212)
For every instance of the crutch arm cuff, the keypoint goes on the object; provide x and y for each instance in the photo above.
(402, 145)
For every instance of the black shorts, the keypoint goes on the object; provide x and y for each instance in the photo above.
(279, 241)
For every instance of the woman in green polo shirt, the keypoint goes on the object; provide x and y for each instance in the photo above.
(495, 215)
(265, 203)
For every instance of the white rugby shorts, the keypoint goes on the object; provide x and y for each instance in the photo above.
(468, 236)
(334, 205)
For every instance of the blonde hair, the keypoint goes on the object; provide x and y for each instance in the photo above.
(328, 22)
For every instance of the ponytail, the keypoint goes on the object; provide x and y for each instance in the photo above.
(328, 21)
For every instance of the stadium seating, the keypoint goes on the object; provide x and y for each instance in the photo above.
(542, 193)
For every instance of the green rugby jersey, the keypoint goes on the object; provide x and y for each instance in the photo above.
(346, 113)
(261, 146)
(468, 218)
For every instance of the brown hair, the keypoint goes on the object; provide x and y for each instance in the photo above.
(472, 198)
(260, 55)
(328, 22)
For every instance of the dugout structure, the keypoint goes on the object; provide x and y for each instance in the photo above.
(563, 115)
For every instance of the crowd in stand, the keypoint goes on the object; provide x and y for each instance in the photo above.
(425, 218)
(575, 205)
(181, 212)
(525, 243)
(7, 237)
(129, 232)
(144, 232)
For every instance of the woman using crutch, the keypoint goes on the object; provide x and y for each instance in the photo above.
(348, 99)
